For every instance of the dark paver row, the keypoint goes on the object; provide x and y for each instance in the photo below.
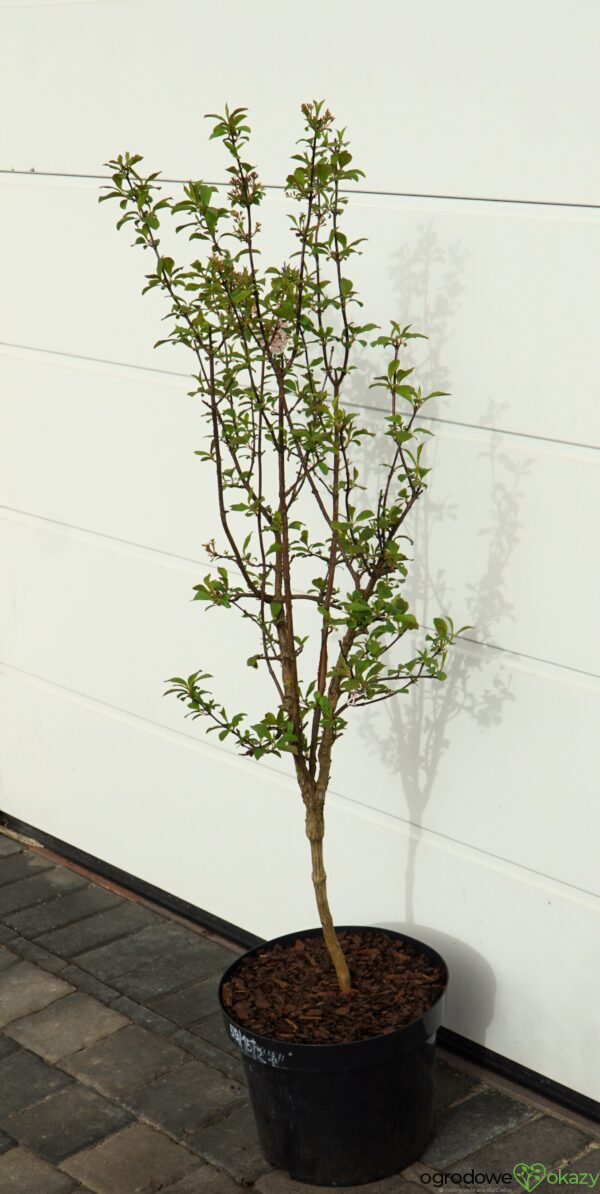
(26, 893)
(116, 1075)
(62, 910)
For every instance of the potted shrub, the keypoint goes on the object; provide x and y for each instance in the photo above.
(336, 1026)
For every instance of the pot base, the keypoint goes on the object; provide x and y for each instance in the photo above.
(347, 1128)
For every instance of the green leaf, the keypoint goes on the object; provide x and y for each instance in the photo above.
(298, 406)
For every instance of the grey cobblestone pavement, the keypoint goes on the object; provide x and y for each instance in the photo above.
(116, 1075)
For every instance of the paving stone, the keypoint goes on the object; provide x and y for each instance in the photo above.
(160, 959)
(34, 953)
(22, 1173)
(66, 1122)
(6, 958)
(118, 957)
(28, 892)
(137, 1160)
(470, 1125)
(24, 1079)
(278, 1182)
(205, 1180)
(6, 935)
(9, 846)
(232, 1144)
(450, 1085)
(93, 931)
(62, 910)
(546, 1139)
(186, 1099)
(90, 985)
(191, 1004)
(65, 1026)
(212, 1029)
(168, 974)
(227, 1064)
(22, 866)
(125, 1061)
(24, 988)
(6, 1046)
(144, 1016)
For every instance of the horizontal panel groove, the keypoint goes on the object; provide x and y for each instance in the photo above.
(203, 746)
(174, 560)
(563, 667)
(270, 186)
(77, 356)
(443, 422)
(542, 439)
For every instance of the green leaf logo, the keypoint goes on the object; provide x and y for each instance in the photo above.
(529, 1176)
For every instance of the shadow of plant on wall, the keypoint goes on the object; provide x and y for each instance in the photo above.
(427, 278)
(411, 735)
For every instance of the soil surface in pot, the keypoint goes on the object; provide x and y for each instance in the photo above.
(290, 992)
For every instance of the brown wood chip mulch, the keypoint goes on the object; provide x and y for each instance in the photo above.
(290, 992)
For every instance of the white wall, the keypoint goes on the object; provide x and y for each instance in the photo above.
(469, 813)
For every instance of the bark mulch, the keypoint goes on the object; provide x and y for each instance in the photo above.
(290, 993)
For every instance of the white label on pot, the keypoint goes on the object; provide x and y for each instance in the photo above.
(251, 1048)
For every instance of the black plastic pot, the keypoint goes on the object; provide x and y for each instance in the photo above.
(336, 1115)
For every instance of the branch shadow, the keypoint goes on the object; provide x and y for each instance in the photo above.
(410, 735)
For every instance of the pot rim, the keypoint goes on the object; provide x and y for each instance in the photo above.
(273, 1051)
